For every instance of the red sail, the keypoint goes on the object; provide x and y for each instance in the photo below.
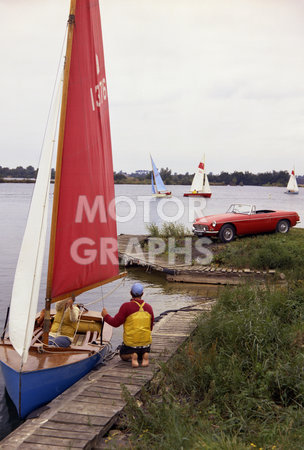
(85, 251)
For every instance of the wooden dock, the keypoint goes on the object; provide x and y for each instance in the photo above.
(83, 414)
(131, 253)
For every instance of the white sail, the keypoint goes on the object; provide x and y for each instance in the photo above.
(29, 267)
(206, 186)
(200, 181)
(292, 185)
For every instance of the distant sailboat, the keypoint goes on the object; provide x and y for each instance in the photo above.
(292, 186)
(158, 188)
(200, 184)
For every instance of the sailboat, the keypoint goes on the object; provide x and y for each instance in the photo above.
(83, 240)
(200, 185)
(292, 186)
(158, 188)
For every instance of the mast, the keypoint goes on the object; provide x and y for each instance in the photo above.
(71, 23)
(83, 247)
(156, 188)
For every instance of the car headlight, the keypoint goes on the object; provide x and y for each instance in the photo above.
(214, 224)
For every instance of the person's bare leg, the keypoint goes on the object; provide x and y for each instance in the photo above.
(135, 360)
(126, 357)
(145, 360)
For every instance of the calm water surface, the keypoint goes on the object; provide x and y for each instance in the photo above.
(135, 210)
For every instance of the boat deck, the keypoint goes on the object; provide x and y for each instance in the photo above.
(84, 413)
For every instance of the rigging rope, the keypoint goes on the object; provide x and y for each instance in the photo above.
(101, 299)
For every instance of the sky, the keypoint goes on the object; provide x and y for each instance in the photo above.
(224, 78)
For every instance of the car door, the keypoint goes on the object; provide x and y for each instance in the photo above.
(262, 222)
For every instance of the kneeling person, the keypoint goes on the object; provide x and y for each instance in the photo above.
(137, 318)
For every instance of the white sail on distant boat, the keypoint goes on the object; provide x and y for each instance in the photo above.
(292, 186)
(158, 188)
(200, 185)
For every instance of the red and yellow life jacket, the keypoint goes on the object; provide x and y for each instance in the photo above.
(137, 328)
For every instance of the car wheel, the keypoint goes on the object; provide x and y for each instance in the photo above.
(227, 233)
(283, 226)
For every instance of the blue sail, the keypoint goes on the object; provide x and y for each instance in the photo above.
(152, 184)
(160, 187)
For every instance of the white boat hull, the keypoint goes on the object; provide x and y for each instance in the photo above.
(162, 195)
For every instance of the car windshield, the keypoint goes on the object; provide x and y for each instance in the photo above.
(241, 209)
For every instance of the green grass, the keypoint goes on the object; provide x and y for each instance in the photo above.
(238, 381)
(262, 252)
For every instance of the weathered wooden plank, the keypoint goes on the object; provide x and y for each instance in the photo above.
(176, 327)
(52, 425)
(160, 339)
(91, 409)
(132, 374)
(101, 401)
(121, 380)
(67, 443)
(165, 345)
(110, 385)
(81, 419)
(36, 446)
(135, 375)
(131, 388)
(102, 394)
(64, 434)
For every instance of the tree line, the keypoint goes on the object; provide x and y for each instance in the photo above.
(277, 178)
(274, 178)
(20, 172)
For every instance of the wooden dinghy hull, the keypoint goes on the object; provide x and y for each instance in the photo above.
(31, 389)
(197, 194)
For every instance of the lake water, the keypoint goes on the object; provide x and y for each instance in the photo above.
(135, 210)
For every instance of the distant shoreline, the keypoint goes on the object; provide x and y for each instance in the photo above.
(20, 180)
(32, 180)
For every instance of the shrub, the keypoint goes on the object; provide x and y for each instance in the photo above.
(168, 229)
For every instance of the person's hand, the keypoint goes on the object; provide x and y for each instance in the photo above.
(69, 303)
(104, 312)
(40, 319)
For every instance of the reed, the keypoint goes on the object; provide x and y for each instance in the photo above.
(168, 229)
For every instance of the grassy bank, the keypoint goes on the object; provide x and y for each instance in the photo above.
(237, 384)
(283, 252)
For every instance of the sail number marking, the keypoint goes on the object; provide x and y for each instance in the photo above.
(99, 92)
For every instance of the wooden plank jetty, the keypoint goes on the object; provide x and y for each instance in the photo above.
(132, 253)
(84, 413)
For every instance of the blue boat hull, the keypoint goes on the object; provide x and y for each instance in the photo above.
(30, 390)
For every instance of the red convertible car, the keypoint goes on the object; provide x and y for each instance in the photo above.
(244, 219)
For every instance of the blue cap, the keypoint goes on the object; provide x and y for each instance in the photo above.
(137, 289)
